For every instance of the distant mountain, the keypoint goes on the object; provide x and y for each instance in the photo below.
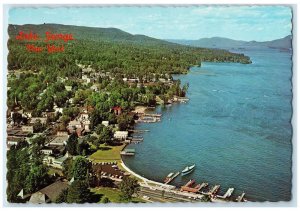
(225, 43)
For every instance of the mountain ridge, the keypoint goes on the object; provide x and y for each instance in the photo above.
(226, 43)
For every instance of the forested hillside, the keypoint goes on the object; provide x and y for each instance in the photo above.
(110, 50)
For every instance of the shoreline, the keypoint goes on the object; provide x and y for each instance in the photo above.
(145, 180)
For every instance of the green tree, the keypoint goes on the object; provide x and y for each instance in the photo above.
(62, 197)
(80, 168)
(105, 135)
(67, 168)
(124, 121)
(72, 143)
(78, 192)
(128, 187)
(37, 178)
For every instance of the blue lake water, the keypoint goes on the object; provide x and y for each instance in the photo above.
(236, 129)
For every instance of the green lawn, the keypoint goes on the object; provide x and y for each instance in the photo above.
(112, 194)
(107, 153)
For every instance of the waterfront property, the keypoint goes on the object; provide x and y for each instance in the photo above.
(121, 135)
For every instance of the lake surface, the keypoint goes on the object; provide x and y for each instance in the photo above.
(236, 129)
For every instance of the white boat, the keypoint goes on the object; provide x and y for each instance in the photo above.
(188, 169)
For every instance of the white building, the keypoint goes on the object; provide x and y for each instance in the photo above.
(121, 135)
(27, 128)
(105, 123)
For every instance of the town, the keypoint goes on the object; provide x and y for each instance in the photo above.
(70, 135)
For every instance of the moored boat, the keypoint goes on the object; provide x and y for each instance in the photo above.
(167, 179)
(188, 170)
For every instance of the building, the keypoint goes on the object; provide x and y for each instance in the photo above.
(49, 193)
(117, 110)
(94, 88)
(11, 141)
(52, 150)
(43, 120)
(105, 123)
(86, 125)
(59, 141)
(121, 135)
(83, 116)
(55, 161)
(68, 88)
(27, 128)
(62, 133)
(74, 124)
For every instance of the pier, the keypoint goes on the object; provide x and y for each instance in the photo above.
(189, 187)
(227, 194)
(203, 185)
(129, 152)
(241, 197)
(152, 115)
(138, 131)
(214, 190)
(170, 179)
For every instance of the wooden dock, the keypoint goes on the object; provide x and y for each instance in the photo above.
(227, 194)
(138, 131)
(172, 178)
(152, 115)
(241, 197)
(203, 185)
(214, 190)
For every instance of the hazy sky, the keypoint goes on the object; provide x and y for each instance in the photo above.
(259, 23)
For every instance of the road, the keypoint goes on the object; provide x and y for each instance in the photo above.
(158, 196)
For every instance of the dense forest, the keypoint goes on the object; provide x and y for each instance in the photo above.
(111, 50)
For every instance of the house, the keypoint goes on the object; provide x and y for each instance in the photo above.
(59, 141)
(94, 88)
(43, 120)
(117, 110)
(27, 128)
(49, 193)
(68, 88)
(62, 133)
(105, 123)
(48, 114)
(17, 132)
(74, 124)
(55, 161)
(11, 141)
(86, 125)
(86, 78)
(80, 131)
(27, 114)
(121, 135)
(83, 116)
(58, 109)
(52, 150)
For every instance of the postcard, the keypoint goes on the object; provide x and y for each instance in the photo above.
(149, 104)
